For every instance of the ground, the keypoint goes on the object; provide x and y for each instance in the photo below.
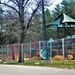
(33, 70)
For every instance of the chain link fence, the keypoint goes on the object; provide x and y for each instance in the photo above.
(61, 49)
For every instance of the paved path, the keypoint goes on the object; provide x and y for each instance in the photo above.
(31, 70)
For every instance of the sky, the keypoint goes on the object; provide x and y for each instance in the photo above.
(56, 2)
(51, 7)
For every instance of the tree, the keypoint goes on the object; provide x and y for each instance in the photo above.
(48, 16)
(21, 7)
(36, 29)
(13, 39)
(57, 11)
(2, 31)
(68, 7)
(1, 17)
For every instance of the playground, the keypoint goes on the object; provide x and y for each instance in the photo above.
(61, 49)
(52, 49)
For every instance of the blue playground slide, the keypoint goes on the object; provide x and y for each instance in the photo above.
(43, 51)
(43, 54)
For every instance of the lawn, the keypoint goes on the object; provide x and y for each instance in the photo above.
(69, 64)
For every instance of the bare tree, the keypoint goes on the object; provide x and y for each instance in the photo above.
(21, 7)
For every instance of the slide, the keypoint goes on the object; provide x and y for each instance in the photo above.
(43, 54)
(43, 51)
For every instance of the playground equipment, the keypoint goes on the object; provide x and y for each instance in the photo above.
(43, 54)
(65, 48)
(64, 25)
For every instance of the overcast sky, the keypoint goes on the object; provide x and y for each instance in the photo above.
(56, 2)
(51, 7)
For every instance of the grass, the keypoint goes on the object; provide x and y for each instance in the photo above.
(69, 64)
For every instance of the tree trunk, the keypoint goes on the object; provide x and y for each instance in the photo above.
(21, 51)
(22, 40)
(23, 33)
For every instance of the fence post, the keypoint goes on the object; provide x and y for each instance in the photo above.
(39, 50)
(22, 53)
(7, 51)
(39, 45)
(50, 52)
(2, 53)
(14, 52)
(63, 51)
(30, 51)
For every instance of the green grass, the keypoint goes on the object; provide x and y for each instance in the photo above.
(55, 63)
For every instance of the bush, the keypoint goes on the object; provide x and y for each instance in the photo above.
(57, 57)
(70, 57)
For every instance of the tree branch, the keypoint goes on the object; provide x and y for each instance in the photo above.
(14, 1)
(26, 3)
(10, 6)
(4, 40)
(34, 11)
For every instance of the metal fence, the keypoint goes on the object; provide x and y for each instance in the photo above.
(61, 49)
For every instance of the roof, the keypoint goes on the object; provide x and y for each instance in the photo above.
(62, 19)
(67, 19)
(56, 22)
